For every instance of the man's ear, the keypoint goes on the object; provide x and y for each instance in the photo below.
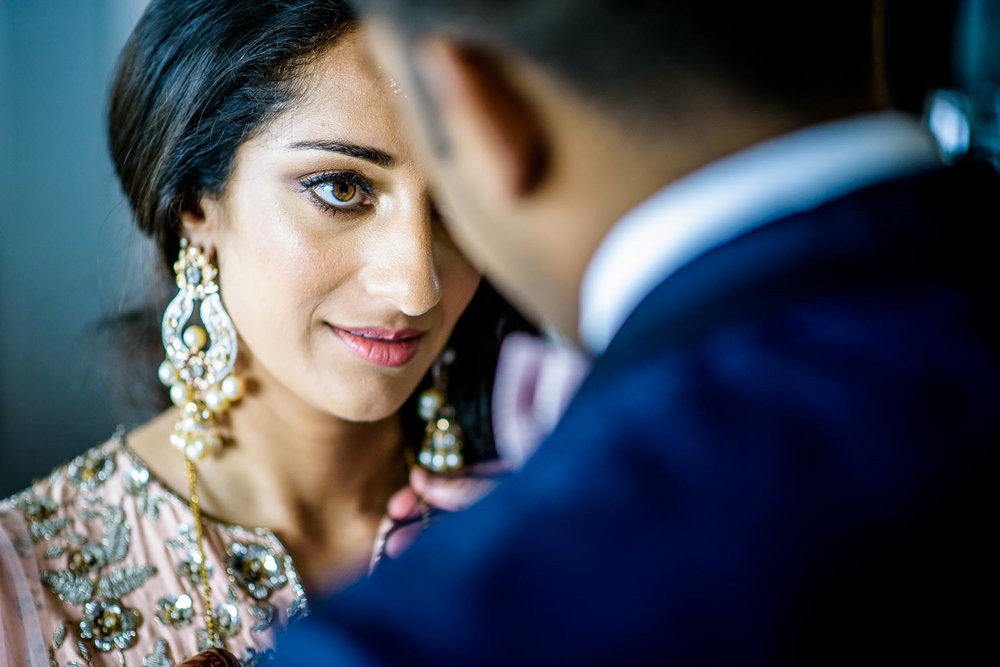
(491, 130)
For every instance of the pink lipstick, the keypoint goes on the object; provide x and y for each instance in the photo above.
(391, 348)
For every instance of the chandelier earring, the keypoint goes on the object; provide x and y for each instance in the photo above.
(441, 451)
(201, 344)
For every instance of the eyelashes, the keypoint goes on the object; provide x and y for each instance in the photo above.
(339, 191)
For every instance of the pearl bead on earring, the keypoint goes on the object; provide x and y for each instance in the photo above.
(167, 373)
(233, 387)
(195, 338)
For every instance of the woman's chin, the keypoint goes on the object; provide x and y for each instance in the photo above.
(364, 407)
(370, 395)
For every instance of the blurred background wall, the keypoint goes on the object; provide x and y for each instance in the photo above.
(68, 255)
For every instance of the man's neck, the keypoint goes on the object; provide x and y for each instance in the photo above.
(728, 197)
(603, 179)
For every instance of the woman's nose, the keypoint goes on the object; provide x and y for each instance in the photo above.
(402, 267)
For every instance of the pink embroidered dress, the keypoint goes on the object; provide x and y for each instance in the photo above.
(98, 566)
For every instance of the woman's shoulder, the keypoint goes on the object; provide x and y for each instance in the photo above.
(48, 502)
(47, 540)
(102, 540)
(76, 505)
(88, 509)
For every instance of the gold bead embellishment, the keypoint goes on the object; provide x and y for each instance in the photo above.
(206, 585)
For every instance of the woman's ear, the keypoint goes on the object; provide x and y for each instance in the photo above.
(199, 224)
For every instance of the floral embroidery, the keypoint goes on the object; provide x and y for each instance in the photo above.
(59, 634)
(136, 480)
(255, 658)
(299, 609)
(265, 615)
(175, 611)
(190, 569)
(227, 615)
(109, 625)
(37, 509)
(81, 522)
(160, 657)
(48, 529)
(255, 568)
(84, 650)
(137, 484)
(68, 586)
(55, 552)
(121, 582)
(117, 534)
(86, 559)
(91, 470)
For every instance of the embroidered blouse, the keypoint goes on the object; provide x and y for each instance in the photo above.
(98, 566)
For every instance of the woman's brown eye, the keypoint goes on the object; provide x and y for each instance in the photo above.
(340, 193)
(344, 191)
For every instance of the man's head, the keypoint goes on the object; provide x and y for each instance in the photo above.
(544, 122)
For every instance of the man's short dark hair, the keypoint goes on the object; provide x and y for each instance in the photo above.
(633, 57)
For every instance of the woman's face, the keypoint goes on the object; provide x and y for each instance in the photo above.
(332, 263)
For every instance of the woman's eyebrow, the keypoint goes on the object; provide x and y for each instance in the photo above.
(374, 155)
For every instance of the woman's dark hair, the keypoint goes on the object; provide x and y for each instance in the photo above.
(197, 79)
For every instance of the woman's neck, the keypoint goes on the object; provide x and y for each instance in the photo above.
(319, 482)
(303, 461)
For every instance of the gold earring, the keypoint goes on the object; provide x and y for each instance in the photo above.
(199, 358)
(441, 451)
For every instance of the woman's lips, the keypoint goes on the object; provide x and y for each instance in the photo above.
(382, 347)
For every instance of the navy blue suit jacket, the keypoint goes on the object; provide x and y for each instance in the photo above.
(787, 455)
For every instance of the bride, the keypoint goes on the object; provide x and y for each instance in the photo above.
(323, 334)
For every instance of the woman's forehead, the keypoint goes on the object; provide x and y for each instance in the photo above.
(342, 95)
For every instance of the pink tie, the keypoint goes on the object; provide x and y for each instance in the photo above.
(534, 383)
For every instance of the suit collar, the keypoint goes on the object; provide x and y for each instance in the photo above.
(732, 196)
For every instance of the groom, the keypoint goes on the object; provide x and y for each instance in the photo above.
(786, 450)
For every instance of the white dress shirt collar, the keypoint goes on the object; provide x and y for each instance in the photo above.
(731, 196)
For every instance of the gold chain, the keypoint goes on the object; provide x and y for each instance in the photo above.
(192, 477)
